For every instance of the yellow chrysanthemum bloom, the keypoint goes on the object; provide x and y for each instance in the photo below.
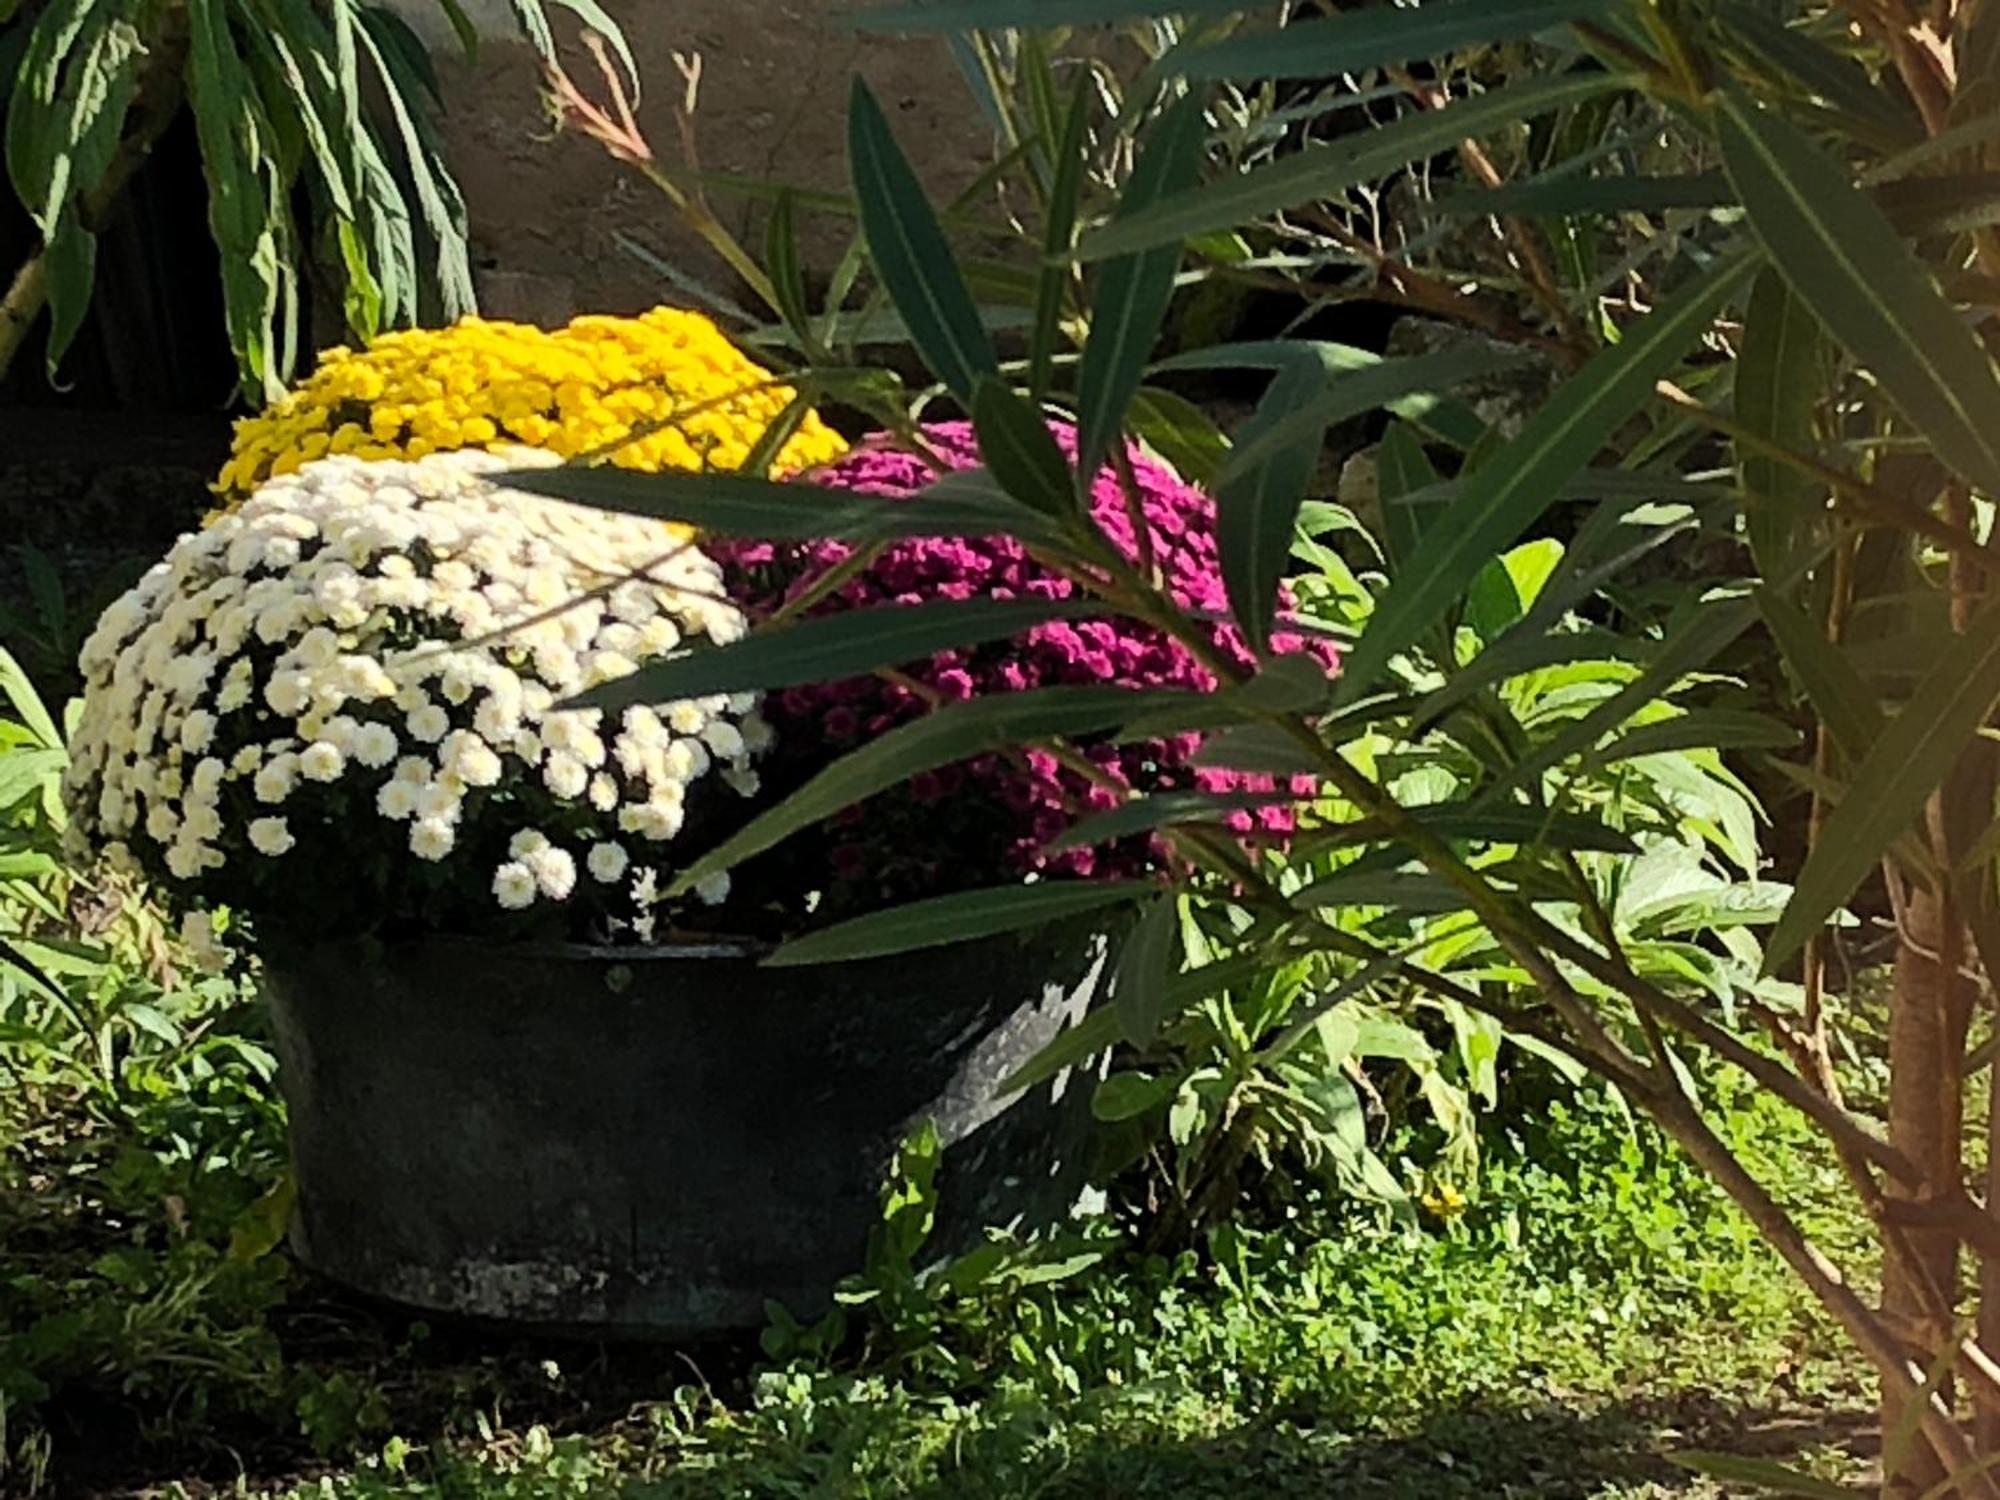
(670, 375)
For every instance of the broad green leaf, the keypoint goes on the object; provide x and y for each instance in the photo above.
(740, 505)
(956, 918)
(1885, 795)
(1837, 692)
(1319, 172)
(1147, 963)
(1511, 490)
(1516, 654)
(953, 733)
(1778, 386)
(1016, 444)
(1059, 238)
(1350, 43)
(1845, 262)
(911, 253)
(827, 648)
(1132, 292)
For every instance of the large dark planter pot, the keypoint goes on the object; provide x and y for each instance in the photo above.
(655, 1141)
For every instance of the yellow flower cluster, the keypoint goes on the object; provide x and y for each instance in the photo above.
(669, 374)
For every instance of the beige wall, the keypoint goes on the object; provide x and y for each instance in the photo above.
(546, 208)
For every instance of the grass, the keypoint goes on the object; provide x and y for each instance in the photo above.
(1596, 1307)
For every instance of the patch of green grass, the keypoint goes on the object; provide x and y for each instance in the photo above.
(1597, 1306)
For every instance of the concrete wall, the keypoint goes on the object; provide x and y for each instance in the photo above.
(546, 208)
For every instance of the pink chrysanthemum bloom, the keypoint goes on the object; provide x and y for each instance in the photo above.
(987, 820)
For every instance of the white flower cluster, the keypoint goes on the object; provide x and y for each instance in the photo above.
(375, 652)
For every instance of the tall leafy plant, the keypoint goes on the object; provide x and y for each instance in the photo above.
(1778, 322)
(317, 102)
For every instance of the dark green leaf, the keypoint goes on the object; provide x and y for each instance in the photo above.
(911, 253)
(1019, 449)
(1837, 692)
(1508, 492)
(1778, 386)
(1574, 194)
(1170, 809)
(1320, 172)
(993, 15)
(781, 263)
(830, 647)
(1261, 748)
(1059, 237)
(1180, 432)
(740, 505)
(1844, 261)
(1763, 1474)
(70, 266)
(1147, 963)
(1708, 728)
(1379, 37)
(1257, 505)
(953, 733)
(1406, 892)
(1100, 1029)
(1133, 290)
(1906, 763)
(956, 918)
(1126, 1096)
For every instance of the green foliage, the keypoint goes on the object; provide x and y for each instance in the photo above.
(327, 99)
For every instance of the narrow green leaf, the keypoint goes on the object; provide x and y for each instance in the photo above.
(1133, 291)
(1763, 1474)
(1402, 468)
(1908, 761)
(1180, 432)
(1480, 823)
(953, 733)
(911, 253)
(956, 918)
(1059, 237)
(1016, 444)
(1778, 387)
(1261, 748)
(1702, 635)
(996, 15)
(1801, 61)
(782, 264)
(1147, 962)
(1445, 418)
(1844, 261)
(740, 505)
(1838, 693)
(1157, 810)
(70, 265)
(1100, 1029)
(1406, 892)
(1516, 654)
(1351, 43)
(826, 648)
(1708, 728)
(1508, 492)
(1563, 196)
(1257, 505)
(1320, 172)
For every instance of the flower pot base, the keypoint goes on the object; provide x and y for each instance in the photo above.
(657, 1143)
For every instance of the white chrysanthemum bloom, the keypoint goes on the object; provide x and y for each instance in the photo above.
(355, 648)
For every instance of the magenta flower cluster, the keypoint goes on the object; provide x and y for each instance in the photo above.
(989, 820)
